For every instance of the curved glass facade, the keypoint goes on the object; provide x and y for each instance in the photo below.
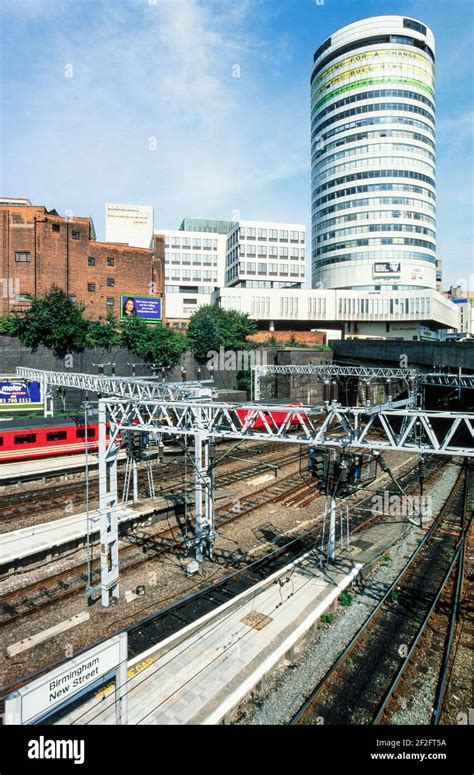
(373, 156)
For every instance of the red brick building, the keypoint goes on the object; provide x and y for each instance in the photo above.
(39, 248)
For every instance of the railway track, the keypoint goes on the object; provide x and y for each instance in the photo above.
(360, 685)
(52, 499)
(71, 582)
(168, 620)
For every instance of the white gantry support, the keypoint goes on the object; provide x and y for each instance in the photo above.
(108, 502)
(122, 387)
(393, 426)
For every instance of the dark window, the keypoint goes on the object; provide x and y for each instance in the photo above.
(110, 261)
(1, 441)
(412, 25)
(91, 261)
(56, 227)
(28, 438)
(81, 433)
(322, 48)
(56, 435)
(76, 235)
(91, 287)
(22, 255)
(110, 282)
(110, 302)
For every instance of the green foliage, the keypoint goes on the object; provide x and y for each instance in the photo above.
(211, 327)
(349, 662)
(7, 325)
(156, 344)
(53, 320)
(102, 333)
(244, 381)
(394, 596)
(327, 618)
(345, 598)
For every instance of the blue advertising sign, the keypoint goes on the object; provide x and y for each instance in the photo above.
(19, 392)
(146, 308)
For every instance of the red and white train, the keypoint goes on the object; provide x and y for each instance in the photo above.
(39, 437)
(25, 439)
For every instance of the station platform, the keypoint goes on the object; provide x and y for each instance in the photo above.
(25, 470)
(54, 467)
(202, 674)
(46, 540)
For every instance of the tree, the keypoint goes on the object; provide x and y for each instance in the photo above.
(102, 333)
(203, 334)
(53, 320)
(157, 343)
(212, 327)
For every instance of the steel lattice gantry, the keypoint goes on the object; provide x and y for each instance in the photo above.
(122, 387)
(393, 426)
(414, 379)
(329, 370)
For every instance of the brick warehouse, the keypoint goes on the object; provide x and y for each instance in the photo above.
(40, 248)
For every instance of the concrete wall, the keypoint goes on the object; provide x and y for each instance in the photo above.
(13, 354)
(425, 355)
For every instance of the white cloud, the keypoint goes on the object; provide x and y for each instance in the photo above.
(161, 71)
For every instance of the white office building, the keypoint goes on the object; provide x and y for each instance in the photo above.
(373, 157)
(413, 314)
(261, 254)
(194, 268)
(129, 224)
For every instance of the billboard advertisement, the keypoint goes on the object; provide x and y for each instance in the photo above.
(385, 267)
(147, 308)
(14, 392)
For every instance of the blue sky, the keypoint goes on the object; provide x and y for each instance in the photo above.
(152, 113)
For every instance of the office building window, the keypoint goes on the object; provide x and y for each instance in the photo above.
(91, 261)
(111, 262)
(284, 235)
(110, 302)
(262, 234)
(251, 233)
(76, 235)
(110, 282)
(91, 287)
(196, 244)
(273, 234)
(56, 227)
(22, 256)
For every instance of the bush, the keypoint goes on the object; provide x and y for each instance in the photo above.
(345, 598)
(327, 618)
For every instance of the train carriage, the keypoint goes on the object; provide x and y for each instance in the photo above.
(25, 439)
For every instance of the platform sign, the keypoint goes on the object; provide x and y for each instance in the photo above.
(19, 394)
(147, 308)
(42, 697)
